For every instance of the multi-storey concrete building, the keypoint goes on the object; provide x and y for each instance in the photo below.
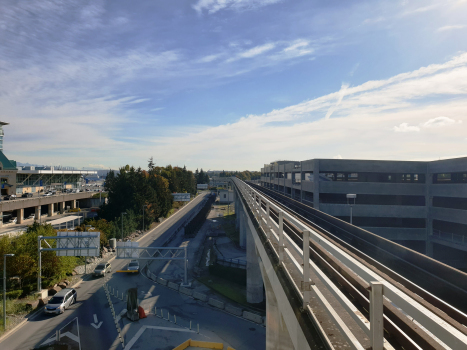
(421, 205)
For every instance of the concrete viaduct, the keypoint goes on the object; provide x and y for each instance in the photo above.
(322, 288)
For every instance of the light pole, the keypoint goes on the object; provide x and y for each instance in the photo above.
(349, 197)
(144, 206)
(122, 224)
(4, 289)
(79, 216)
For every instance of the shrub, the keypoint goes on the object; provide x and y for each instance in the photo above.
(13, 294)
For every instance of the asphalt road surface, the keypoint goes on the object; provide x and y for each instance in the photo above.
(91, 307)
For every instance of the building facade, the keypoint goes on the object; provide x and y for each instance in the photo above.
(421, 205)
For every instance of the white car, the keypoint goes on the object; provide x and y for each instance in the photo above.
(13, 221)
(47, 194)
(32, 216)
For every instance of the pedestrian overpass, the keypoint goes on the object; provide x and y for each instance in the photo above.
(331, 285)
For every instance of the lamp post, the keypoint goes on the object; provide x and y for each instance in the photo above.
(144, 206)
(4, 289)
(79, 216)
(122, 224)
(349, 202)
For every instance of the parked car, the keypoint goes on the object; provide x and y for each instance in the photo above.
(27, 195)
(133, 265)
(102, 269)
(10, 197)
(75, 210)
(61, 301)
(32, 216)
(13, 220)
(47, 194)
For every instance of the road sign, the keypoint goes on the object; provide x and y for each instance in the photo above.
(78, 243)
(67, 335)
(181, 197)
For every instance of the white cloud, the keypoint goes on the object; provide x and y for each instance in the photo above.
(440, 122)
(452, 27)
(212, 6)
(257, 50)
(405, 127)
(363, 123)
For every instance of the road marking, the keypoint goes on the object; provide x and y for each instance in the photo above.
(141, 331)
(95, 324)
(62, 335)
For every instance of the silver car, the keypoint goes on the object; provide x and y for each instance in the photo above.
(133, 266)
(61, 301)
(102, 269)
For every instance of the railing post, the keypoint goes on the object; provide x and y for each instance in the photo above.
(376, 316)
(281, 236)
(306, 284)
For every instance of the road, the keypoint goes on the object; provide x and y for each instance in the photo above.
(92, 301)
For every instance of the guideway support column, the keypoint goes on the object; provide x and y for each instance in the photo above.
(73, 204)
(243, 225)
(37, 213)
(20, 215)
(1, 218)
(254, 281)
(277, 334)
(62, 207)
(51, 210)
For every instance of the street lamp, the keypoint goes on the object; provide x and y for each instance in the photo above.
(4, 289)
(349, 202)
(122, 224)
(144, 206)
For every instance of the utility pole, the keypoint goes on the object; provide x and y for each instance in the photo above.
(122, 224)
(144, 206)
(4, 289)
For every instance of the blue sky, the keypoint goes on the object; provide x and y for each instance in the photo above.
(232, 84)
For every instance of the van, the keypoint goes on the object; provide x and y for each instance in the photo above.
(61, 301)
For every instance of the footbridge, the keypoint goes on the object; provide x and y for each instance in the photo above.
(332, 285)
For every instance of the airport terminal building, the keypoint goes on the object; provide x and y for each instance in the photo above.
(18, 180)
(421, 205)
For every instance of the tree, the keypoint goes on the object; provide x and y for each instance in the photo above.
(151, 164)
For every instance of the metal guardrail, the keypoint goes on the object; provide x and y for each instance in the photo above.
(450, 237)
(441, 332)
(231, 262)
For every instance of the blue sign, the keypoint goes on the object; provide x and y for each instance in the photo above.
(64, 183)
(87, 180)
(40, 183)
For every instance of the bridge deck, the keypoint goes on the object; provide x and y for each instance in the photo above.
(402, 329)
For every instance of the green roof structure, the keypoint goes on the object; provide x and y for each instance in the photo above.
(6, 163)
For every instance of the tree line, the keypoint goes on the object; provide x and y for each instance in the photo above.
(242, 175)
(201, 177)
(131, 190)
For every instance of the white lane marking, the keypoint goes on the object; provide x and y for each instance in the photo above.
(96, 325)
(141, 331)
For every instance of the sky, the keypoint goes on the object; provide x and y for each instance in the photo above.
(232, 84)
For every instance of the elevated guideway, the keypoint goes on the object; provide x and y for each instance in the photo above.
(334, 269)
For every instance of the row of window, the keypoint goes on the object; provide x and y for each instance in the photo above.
(351, 177)
(366, 221)
(373, 199)
(450, 178)
(450, 202)
(372, 177)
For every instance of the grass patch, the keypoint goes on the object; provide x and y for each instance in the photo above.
(226, 288)
(171, 211)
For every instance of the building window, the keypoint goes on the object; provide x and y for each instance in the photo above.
(307, 176)
(450, 178)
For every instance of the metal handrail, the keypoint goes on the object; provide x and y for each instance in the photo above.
(430, 322)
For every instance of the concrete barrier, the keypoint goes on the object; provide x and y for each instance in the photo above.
(233, 310)
(252, 317)
(185, 291)
(216, 303)
(172, 285)
(153, 277)
(200, 296)
(162, 281)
